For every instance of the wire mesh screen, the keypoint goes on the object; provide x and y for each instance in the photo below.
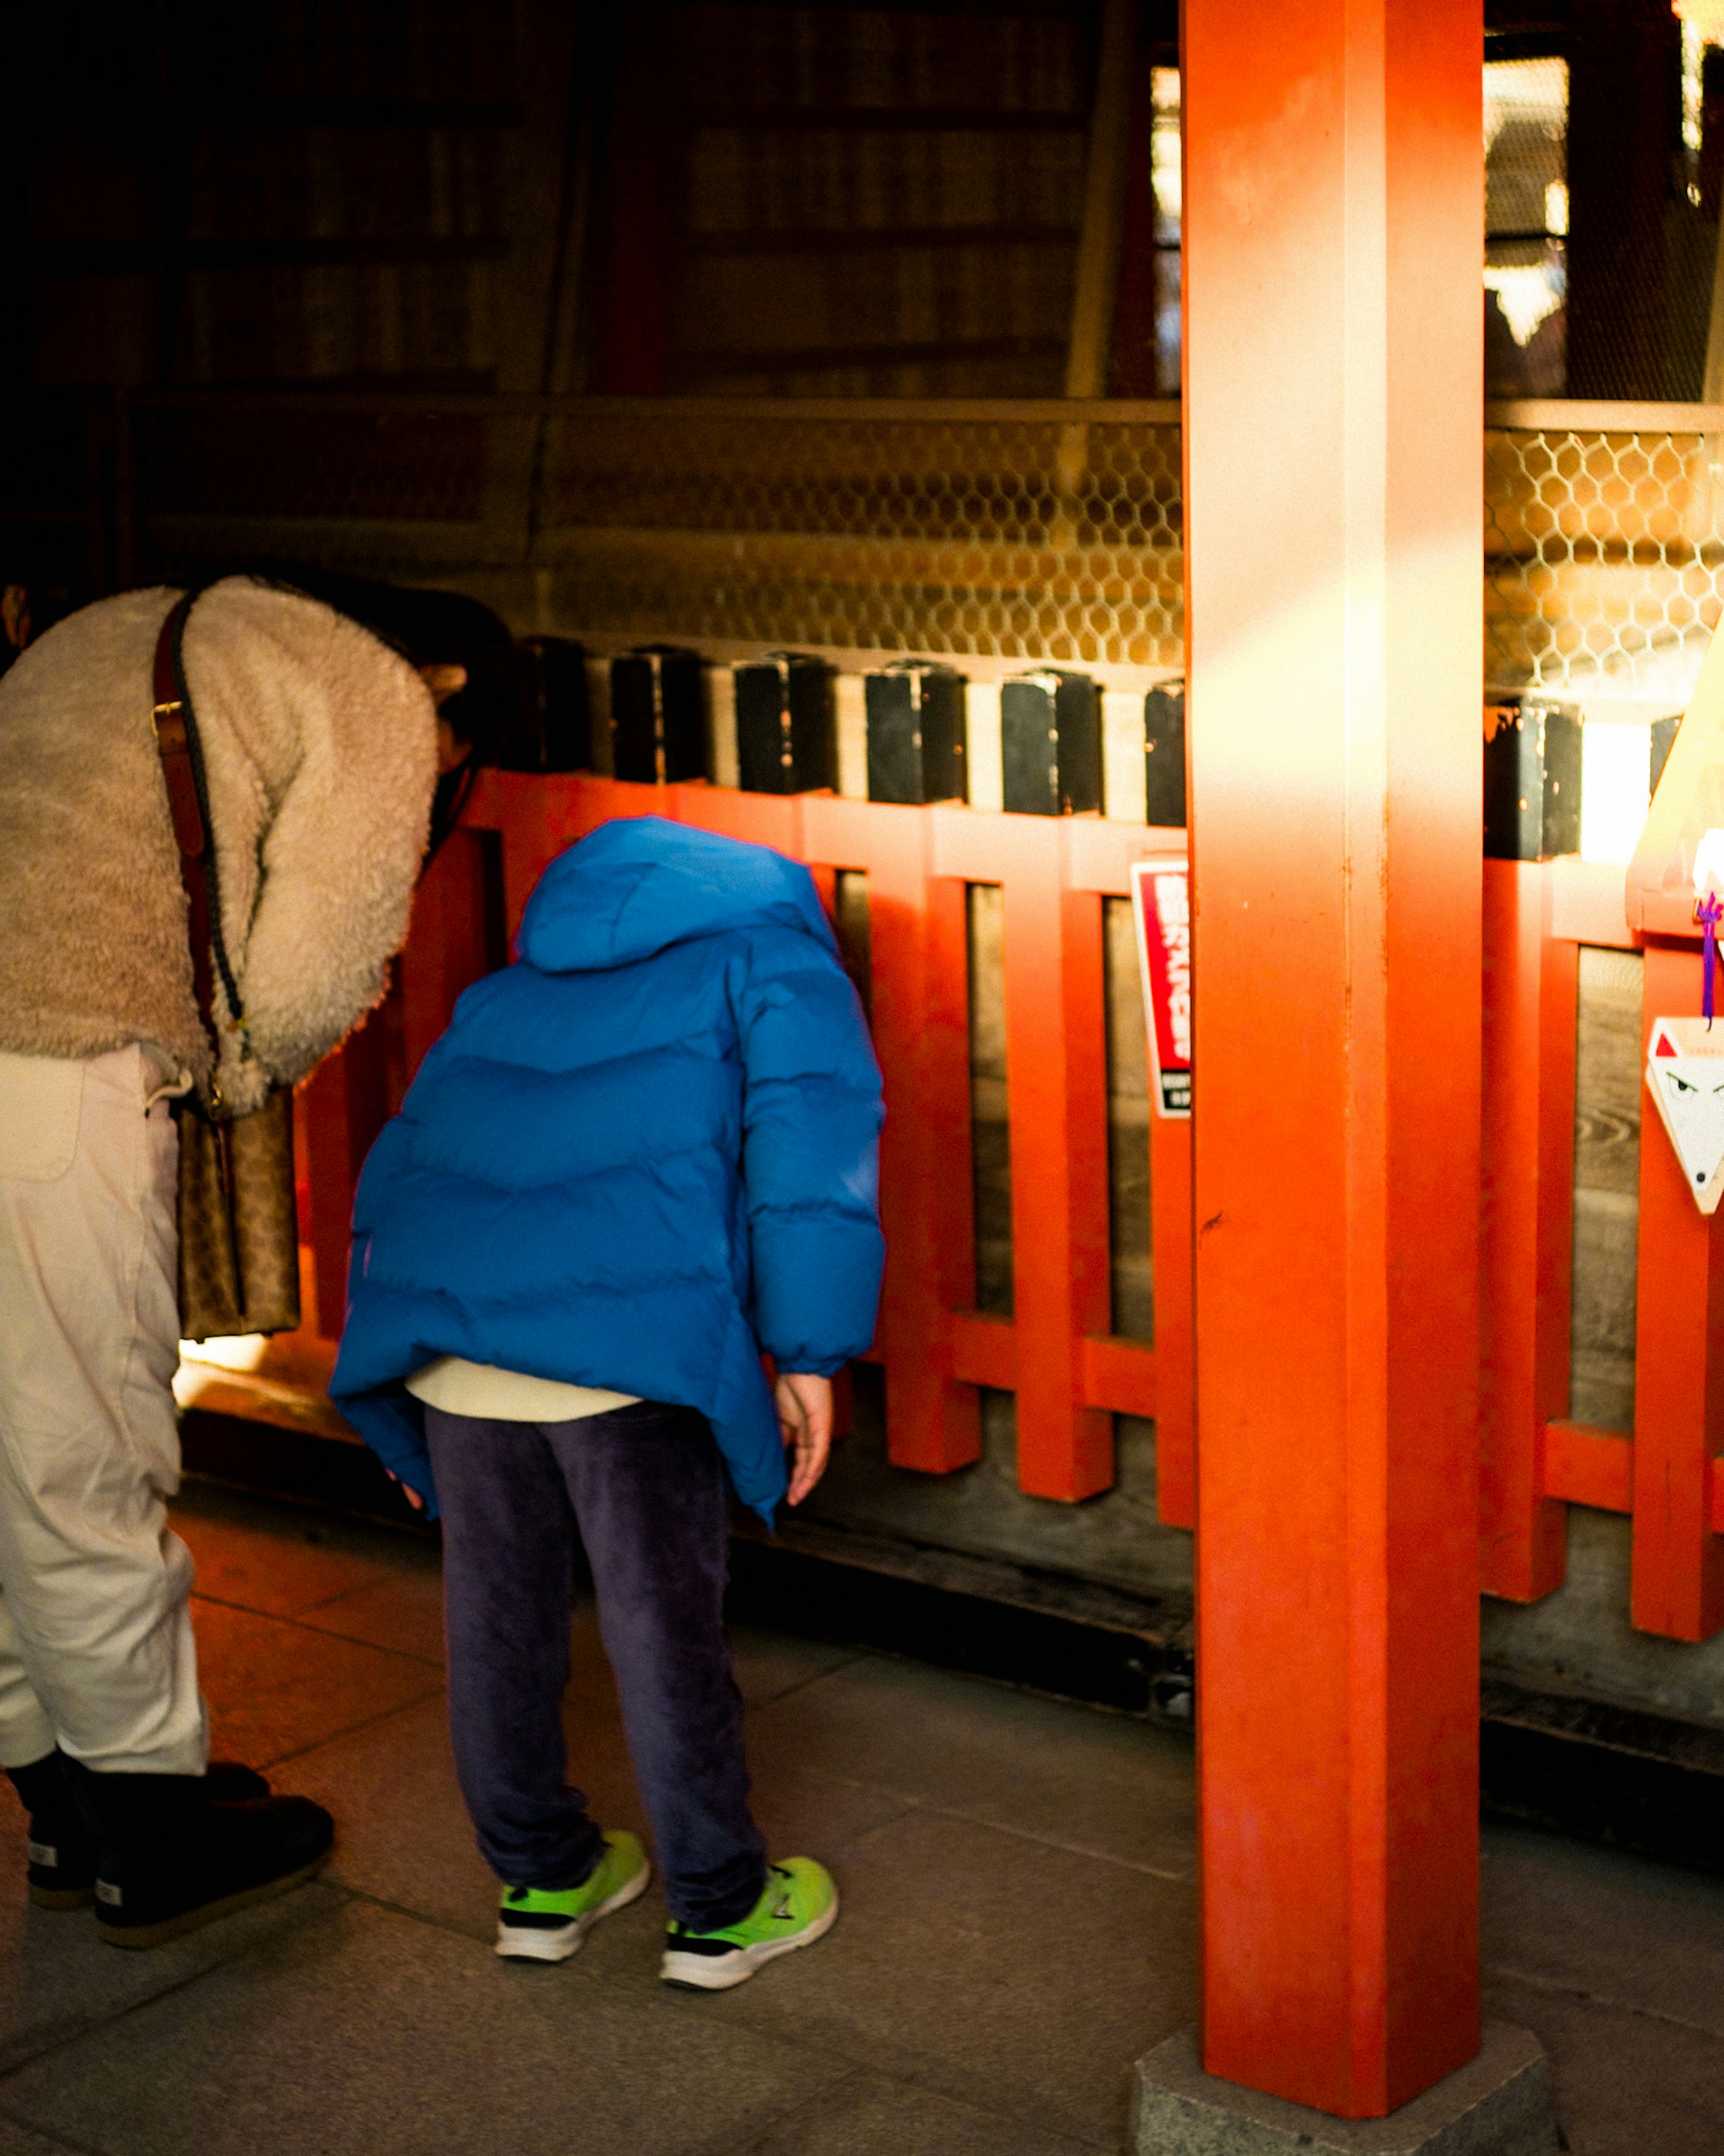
(1016, 534)
(1035, 530)
(1603, 558)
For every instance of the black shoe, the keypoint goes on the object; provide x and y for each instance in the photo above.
(62, 1850)
(172, 1859)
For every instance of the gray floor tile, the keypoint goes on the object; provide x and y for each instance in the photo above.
(868, 2115)
(368, 2033)
(403, 1613)
(1094, 1783)
(804, 1813)
(769, 1665)
(401, 1833)
(274, 1688)
(19, 2141)
(283, 1559)
(1597, 1922)
(1625, 2083)
(1004, 1974)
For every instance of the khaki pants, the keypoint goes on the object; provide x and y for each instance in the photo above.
(96, 1652)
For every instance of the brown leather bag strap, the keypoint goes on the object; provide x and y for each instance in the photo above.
(188, 802)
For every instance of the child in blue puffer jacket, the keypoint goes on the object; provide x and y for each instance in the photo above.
(641, 1159)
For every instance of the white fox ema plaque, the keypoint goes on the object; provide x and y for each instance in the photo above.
(1685, 1069)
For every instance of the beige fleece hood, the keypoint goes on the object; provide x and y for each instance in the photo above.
(320, 751)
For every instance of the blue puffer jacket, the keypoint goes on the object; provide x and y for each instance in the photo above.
(641, 1156)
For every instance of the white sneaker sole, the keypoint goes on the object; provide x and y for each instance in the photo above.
(724, 1972)
(523, 1943)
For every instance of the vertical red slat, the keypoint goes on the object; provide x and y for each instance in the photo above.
(1527, 1227)
(343, 1105)
(1056, 1075)
(918, 944)
(1170, 1246)
(1678, 1583)
(445, 949)
(524, 817)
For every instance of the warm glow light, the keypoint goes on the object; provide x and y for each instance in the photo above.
(1529, 293)
(244, 1352)
(1615, 780)
(1704, 16)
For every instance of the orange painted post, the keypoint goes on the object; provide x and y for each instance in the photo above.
(1678, 1575)
(1528, 1221)
(1332, 203)
(1056, 1075)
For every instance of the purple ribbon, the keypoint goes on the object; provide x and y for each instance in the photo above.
(1709, 911)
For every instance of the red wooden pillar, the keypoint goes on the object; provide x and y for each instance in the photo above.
(1678, 1579)
(1333, 194)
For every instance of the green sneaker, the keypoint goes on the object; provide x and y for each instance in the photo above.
(799, 1906)
(535, 1923)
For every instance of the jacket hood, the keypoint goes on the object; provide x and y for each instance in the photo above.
(639, 884)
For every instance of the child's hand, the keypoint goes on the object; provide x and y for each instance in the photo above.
(412, 1495)
(804, 1404)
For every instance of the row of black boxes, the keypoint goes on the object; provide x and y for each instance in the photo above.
(786, 733)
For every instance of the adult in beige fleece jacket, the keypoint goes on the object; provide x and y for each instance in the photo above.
(320, 745)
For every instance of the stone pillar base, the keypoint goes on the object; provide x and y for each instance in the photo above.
(1497, 2105)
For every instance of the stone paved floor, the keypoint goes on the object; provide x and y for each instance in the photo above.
(1018, 1921)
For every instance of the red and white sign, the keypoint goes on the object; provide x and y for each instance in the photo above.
(1160, 906)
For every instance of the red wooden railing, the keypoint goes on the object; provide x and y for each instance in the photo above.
(1055, 1354)
(1068, 1374)
(1535, 1458)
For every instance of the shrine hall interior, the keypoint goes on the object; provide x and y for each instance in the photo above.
(797, 370)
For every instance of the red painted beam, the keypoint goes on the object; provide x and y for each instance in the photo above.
(1587, 1466)
(984, 1350)
(1120, 1375)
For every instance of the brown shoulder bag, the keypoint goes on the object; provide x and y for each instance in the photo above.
(240, 1241)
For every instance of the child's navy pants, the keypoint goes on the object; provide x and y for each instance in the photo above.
(647, 1486)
